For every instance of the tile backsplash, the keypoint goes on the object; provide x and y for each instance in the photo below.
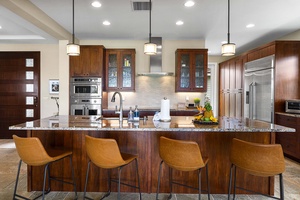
(150, 90)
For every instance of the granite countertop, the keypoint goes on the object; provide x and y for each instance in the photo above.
(288, 114)
(177, 123)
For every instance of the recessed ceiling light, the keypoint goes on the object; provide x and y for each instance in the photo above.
(179, 23)
(96, 4)
(189, 3)
(106, 23)
(250, 25)
(0, 27)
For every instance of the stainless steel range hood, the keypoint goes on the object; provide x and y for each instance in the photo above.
(156, 61)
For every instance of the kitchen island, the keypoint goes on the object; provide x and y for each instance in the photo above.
(142, 138)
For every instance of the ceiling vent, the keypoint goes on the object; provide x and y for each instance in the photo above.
(140, 5)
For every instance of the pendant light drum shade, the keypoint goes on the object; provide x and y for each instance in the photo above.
(72, 48)
(228, 49)
(150, 48)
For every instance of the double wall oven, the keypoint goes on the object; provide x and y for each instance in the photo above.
(86, 96)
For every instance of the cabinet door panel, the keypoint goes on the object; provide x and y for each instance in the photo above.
(120, 67)
(88, 63)
(191, 70)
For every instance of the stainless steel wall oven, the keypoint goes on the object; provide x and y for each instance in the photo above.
(86, 87)
(86, 96)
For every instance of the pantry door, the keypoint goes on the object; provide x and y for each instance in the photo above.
(19, 90)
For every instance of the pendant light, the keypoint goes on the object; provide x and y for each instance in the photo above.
(72, 48)
(228, 49)
(150, 48)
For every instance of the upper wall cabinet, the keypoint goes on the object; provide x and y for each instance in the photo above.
(191, 70)
(89, 62)
(120, 69)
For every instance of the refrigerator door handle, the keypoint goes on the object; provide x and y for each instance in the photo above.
(254, 100)
(251, 100)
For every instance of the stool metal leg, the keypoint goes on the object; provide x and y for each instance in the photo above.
(119, 183)
(281, 187)
(234, 183)
(199, 183)
(17, 180)
(207, 182)
(230, 181)
(138, 177)
(73, 177)
(158, 184)
(170, 182)
(86, 180)
(46, 170)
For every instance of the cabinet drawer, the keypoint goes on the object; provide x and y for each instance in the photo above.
(289, 143)
(286, 120)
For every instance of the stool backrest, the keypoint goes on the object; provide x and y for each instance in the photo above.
(180, 154)
(31, 151)
(257, 159)
(104, 152)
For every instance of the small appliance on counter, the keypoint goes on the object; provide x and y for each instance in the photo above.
(292, 106)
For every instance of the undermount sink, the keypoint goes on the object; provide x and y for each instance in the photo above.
(111, 118)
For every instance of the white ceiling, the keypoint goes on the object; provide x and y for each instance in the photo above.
(206, 20)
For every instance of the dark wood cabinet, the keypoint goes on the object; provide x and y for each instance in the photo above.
(89, 62)
(231, 87)
(120, 69)
(191, 70)
(290, 142)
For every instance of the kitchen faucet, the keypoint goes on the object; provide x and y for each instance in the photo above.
(120, 112)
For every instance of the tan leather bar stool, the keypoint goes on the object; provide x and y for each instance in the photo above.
(262, 160)
(33, 153)
(184, 156)
(105, 153)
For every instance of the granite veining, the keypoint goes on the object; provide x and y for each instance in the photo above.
(177, 123)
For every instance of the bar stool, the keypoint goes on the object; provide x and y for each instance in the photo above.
(105, 153)
(184, 156)
(262, 160)
(33, 153)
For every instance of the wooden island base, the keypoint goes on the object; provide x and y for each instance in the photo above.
(214, 145)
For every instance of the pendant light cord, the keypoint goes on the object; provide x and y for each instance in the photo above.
(228, 34)
(150, 8)
(73, 24)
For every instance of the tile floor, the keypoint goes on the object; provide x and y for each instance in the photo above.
(8, 168)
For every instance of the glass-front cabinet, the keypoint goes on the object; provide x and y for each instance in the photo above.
(191, 70)
(120, 69)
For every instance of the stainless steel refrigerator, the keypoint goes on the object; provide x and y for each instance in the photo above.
(259, 89)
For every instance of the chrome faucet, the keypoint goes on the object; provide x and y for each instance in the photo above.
(120, 111)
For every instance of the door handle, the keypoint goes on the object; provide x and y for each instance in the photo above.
(35, 100)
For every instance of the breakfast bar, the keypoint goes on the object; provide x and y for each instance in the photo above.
(142, 138)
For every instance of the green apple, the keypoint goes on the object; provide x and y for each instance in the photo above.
(206, 119)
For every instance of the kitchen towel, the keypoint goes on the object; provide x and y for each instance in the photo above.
(165, 110)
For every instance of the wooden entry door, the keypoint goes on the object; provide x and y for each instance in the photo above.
(19, 90)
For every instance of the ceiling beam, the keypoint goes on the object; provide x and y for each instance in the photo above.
(34, 15)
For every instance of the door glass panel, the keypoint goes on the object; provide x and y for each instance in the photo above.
(199, 71)
(29, 112)
(185, 71)
(112, 70)
(29, 62)
(126, 68)
(29, 75)
(29, 100)
(29, 124)
(29, 88)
